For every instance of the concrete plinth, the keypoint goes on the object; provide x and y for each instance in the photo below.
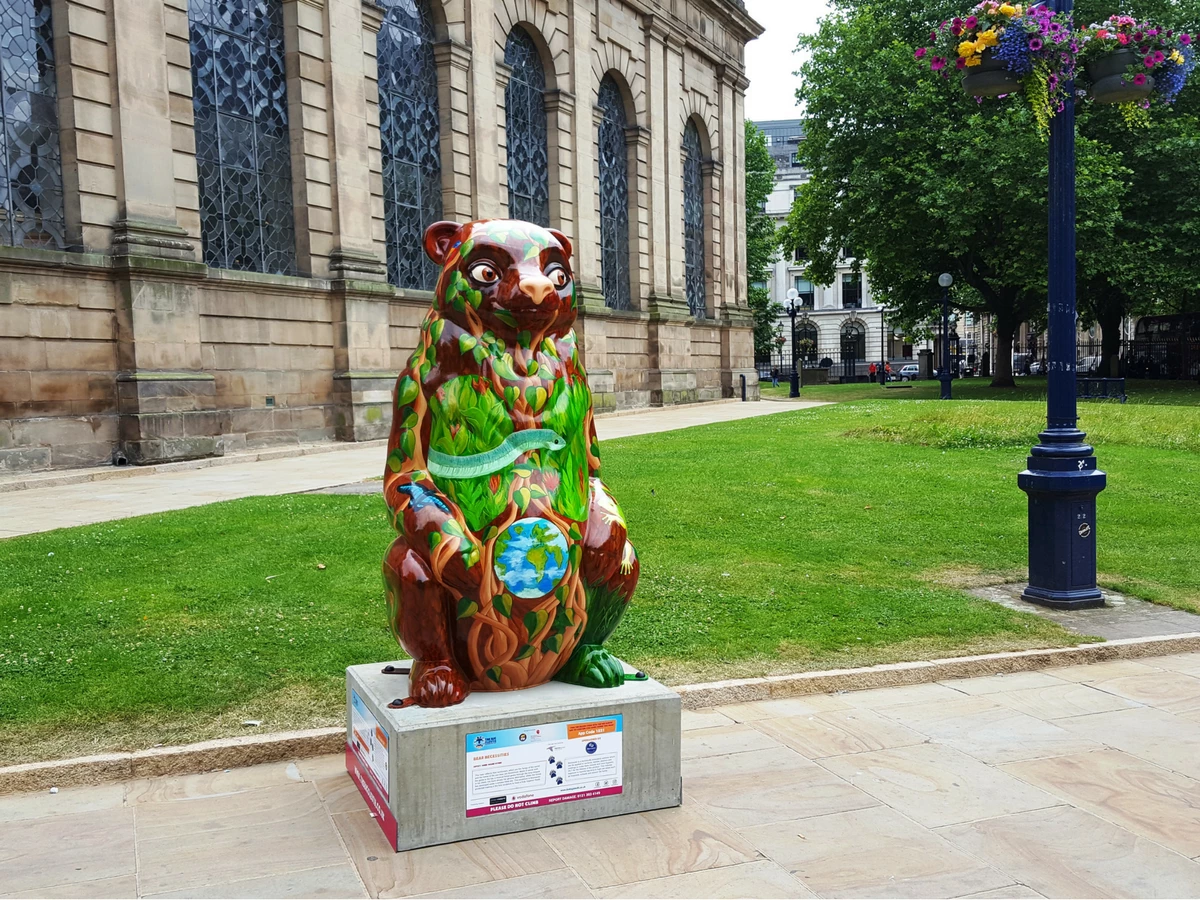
(512, 761)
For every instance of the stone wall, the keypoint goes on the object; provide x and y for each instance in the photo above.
(126, 346)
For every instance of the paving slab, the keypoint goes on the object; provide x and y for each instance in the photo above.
(1120, 617)
(948, 806)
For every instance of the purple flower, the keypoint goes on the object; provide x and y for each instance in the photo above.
(1149, 61)
(1185, 39)
(938, 64)
(933, 36)
(920, 54)
(1159, 56)
(956, 30)
(971, 21)
(960, 63)
(1139, 79)
(957, 22)
(1035, 44)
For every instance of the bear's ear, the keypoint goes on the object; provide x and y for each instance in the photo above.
(562, 240)
(438, 238)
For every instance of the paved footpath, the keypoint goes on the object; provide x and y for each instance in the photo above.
(43, 508)
(1070, 782)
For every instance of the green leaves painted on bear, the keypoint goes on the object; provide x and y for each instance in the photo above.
(535, 396)
(502, 603)
(406, 391)
(535, 620)
(466, 342)
(435, 330)
(493, 673)
(459, 292)
(467, 608)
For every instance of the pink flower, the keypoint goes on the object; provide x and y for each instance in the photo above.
(1139, 79)
(972, 21)
(1123, 39)
(938, 64)
(1159, 56)
(956, 30)
(1185, 39)
(960, 63)
(920, 54)
(933, 35)
(1149, 61)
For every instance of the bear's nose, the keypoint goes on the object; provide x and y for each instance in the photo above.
(536, 287)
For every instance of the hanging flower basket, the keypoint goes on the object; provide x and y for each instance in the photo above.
(1004, 48)
(991, 78)
(1135, 64)
(1111, 82)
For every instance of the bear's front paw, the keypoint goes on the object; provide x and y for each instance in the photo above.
(437, 683)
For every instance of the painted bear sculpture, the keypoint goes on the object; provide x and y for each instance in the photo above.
(512, 565)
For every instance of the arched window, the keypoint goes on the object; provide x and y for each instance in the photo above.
(806, 341)
(854, 341)
(614, 196)
(243, 156)
(693, 222)
(410, 132)
(525, 118)
(31, 193)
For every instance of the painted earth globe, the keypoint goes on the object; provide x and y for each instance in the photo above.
(531, 557)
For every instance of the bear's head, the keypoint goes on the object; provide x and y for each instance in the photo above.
(505, 275)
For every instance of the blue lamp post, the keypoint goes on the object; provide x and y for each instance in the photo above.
(945, 280)
(1062, 480)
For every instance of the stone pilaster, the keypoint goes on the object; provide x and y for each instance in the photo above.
(657, 170)
(714, 269)
(560, 131)
(305, 33)
(454, 82)
(362, 351)
(165, 400)
(353, 252)
(503, 75)
(637, 140)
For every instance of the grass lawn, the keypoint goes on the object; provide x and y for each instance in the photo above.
(838, 535)
(1170, 393)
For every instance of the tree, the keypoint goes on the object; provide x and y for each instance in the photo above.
(923, 180)
(1153, 261)
(762, 241)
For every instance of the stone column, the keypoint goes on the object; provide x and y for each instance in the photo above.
(497, 204)
(305, 55)
(712, 171)
(737, 333)
(454, 106)
(165, 401)
(560, 137)
(637, 141)
(588, 262)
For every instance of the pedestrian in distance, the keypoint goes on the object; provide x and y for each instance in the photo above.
(871, 370)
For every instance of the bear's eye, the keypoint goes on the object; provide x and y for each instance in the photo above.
(484, 273)
(558, 277)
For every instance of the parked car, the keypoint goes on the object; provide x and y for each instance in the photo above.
(908, 372)
(1037, 367)
(1089, 365)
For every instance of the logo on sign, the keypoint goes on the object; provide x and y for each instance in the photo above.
(591, 747)
(1085, 529)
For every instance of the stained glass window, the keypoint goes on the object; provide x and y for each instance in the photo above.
(31, 194)
(410, 132)
(614, 197)
(525, 117)
(693, 222)
(243, 153)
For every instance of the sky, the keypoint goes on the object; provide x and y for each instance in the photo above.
(770, 61)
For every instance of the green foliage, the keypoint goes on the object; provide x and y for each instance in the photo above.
(762, 241)
(566, 413)
(467, 418)
(924, 180)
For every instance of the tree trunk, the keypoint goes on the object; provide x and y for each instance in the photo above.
(1006, 331)
(1110, 340)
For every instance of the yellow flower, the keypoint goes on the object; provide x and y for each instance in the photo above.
(974, 61)
(988, 38)
(967, 48)
(1176, 57)
(1007, 9)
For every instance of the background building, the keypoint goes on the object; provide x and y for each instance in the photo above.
(214, 209)
(840, 322)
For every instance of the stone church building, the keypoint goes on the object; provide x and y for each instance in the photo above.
(212, 212)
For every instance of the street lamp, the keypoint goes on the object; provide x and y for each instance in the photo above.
(945, 280)
(793, 307)
(883, 345)
(1062, 480)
